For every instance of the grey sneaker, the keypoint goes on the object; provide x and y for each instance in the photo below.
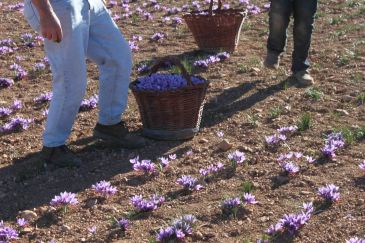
(272, 60)
(303, 79)
(118, 134)
(60, 156)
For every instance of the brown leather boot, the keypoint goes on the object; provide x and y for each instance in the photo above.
(118, 134)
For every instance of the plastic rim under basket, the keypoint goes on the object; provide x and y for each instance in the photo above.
(172, 114)
(217, 29)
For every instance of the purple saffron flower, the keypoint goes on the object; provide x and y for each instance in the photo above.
(7, 234)
(267, 6)
(362, 166)
(17, 105)
(330, 193)
(43, 98)
(164, 162)
(147, 205)
(189, 183)
(64, 199)
(123, 224)
(16, 124)
(308, 208)
(253, 9)
(145, 165)
(248, 198)
(288, 129)
(220, 134)
(237, 157)
(89, 104)
(355, 240)
(290, 167)
(6, 82)
(166, 234)
(172, 156)
(334, 142)
(105, 188)
(231, 205)
(38, 67)
(21, 222)
(275, 139)
(158, 36)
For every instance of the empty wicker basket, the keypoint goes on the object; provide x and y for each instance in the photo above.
(216, 30)
(171, 114)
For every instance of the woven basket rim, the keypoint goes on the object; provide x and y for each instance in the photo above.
(166, 92)
(240, 12)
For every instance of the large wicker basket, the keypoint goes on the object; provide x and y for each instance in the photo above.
(217, 29)
(173, 114)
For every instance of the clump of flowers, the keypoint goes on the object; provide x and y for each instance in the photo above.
(178, 230)
(291, 223)
(122, 224)
(147, 205)
(295, 156)
(274, 140)
(89, 104)
(164, 82)
(158, 36)
(7, 234)
(211, 169)
(330, 193)
(104, 188)
(15, 125)
(204, 63)
(355, 240)
(145, 166)
(290, 168)
(230, 206)
(362, 166)
(64, 200)
(4, 112)
(236, 158)
(43, 98)
(334, 142)
(189, 183)
(288, 129)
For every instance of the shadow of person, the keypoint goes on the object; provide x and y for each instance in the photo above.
(233, 100)
(26, 184)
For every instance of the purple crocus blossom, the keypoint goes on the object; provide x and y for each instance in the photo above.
(146, 205)
(4, 112)
(211, 169)
(178, 230)
(164, 162)
(89, 104)
(284, 130)
(7, 234)
(21, 222)
(334, 142)
(17, 105)
(158, 36)
(64, 199)
(43, 98)
(356, 240)
(104, 188)
(275, 139)
(290, 167)
(92, 229)
(16, 124)
(229, 205)
(190, 183)
(237, 157)
(123, 224)
(172, 156)
(330, 193)
(145, 165)
(248, 198)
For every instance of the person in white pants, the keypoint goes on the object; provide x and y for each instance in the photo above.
(75, 30)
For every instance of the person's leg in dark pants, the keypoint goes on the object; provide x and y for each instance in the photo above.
(304, 13)
(279, 18)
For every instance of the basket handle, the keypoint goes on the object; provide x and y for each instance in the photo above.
(174, 61)
(211, 6)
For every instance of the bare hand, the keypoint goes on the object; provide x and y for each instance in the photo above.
(51, 27)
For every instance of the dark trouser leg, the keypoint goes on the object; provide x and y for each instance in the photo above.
(304, 13)
(279, 17)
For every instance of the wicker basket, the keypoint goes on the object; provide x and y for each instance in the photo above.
(172, 114)
(217, 30)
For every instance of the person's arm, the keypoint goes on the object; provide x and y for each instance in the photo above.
(50, 24)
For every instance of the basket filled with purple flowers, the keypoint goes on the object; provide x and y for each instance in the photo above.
(170, 104)
(217, 29)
